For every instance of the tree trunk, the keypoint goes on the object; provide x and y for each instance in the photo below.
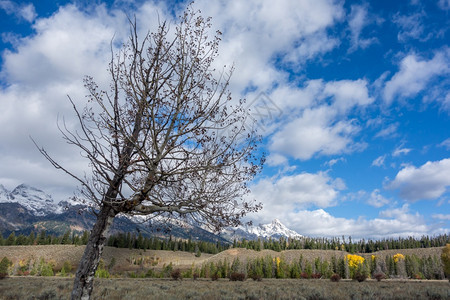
(84, 278)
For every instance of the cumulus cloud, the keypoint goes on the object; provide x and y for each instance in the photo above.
(38, 75)
(348, 94)
(390, 223)
(23, 11)
(441, 217)
(73, 42)
(415, 74)
(376, 199)
(429, 181)
(323, 129)
(315, 133)
(290, 192)
(254, 32)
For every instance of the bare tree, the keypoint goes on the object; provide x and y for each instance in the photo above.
(166, 139)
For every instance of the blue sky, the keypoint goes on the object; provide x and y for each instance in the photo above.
(358, 141)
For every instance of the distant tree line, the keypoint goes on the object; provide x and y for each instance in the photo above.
(138, 241)
(343, 244)
(43, 238)
(119, 240)
(133, 241)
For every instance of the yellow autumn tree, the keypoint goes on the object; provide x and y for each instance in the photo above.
(398, 257)
(354, 262)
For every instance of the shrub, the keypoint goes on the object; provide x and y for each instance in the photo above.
(304, 275)
(47, 270)
(195, 276)
(379, 276)
(360, 276)
(67, 267)
(256, 277)
(236, 276)
(316, 275)
(176, 274)
(5, 263)
(215, 276)
(335, 278)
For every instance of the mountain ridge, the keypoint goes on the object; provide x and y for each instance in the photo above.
(29, 208)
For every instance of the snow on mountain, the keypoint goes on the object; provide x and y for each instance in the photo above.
(275, 230)
(4, 194)
(33, 199)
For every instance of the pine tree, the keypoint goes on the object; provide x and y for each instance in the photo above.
(445, 257)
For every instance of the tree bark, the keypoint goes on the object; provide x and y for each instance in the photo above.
(84, 278)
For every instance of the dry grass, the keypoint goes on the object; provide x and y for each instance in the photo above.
(291, 255)
(59, 288)
(124, 257)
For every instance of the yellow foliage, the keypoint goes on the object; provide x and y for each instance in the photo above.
(278, 260)
(23, 263)
(354, 260)
(373, 257)
(398, 257)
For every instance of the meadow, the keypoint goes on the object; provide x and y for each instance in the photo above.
(126, 288)
(132, 275)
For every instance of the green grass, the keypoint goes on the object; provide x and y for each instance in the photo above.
(126, 288)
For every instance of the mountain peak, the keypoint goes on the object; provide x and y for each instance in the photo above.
(275, 230)
(35, 200)
(277, 222)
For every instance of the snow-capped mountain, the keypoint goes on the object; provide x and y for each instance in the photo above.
(27, 208)
(35, 200)
(5, 195)
(273, 230)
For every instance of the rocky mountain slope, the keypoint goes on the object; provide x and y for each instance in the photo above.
(27, 208)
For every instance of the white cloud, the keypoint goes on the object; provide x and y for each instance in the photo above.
(291, 192)
(388, 132)
(254, 32)
(445, 144)
(441, 217)
(415, 74)
(400, 151)
(26, 12)
(410, 27)
(390, 223)
(334, 161)
(348, 94)
(314, 133)
(379, 161)
(275, 159)
(324, 129)
(444, 4)
(72, 42)
(429, 181)
(358, 19)
(66, 47)
(376, 199)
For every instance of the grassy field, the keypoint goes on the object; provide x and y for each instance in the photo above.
(124, 257)
(59, 288)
